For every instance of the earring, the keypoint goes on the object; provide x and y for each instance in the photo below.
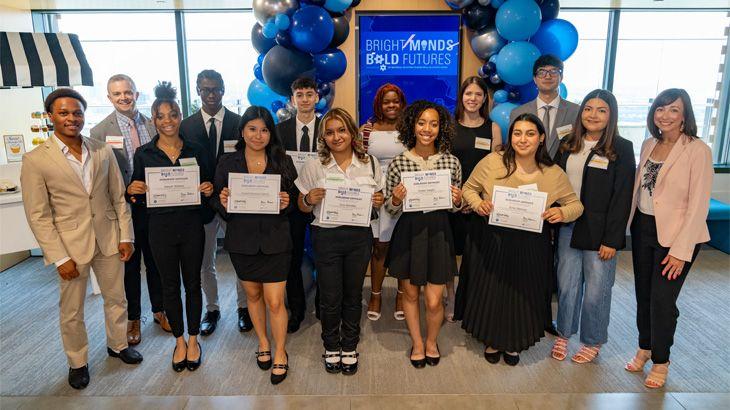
(681, 127)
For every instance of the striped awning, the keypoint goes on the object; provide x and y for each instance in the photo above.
(42, 59)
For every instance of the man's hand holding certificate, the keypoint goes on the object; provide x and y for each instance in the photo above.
(518, 208)
(346, 205)
(172, 186)
(427, 190)
(253, 193)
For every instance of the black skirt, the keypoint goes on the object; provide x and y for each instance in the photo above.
(503, 297)
(460, 227)
(262, 268)
(422, 248)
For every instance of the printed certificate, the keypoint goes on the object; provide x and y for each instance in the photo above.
(301, 157)
(172, 186)
(253, 193)
(427, 190)
(344, 205)
(518, 208)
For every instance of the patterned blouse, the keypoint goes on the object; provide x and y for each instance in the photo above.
(410, 162)
(648, 182)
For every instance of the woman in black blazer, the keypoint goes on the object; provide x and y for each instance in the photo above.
(260, 245)
(600, 165)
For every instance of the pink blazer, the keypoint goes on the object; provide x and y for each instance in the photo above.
(681, 195)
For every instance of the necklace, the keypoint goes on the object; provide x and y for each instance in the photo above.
(172, 151)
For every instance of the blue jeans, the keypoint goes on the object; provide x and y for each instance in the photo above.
(584, 291)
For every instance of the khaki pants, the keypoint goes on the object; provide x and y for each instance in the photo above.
(109, 271)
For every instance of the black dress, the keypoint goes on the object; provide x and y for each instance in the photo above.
(464, 148)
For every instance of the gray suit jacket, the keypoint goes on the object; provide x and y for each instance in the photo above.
(567, 114)
(110, 127)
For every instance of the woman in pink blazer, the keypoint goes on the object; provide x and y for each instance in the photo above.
(669, 208)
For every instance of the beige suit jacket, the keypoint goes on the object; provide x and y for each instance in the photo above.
(65, 219)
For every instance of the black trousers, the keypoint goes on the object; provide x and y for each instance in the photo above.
(177, 241)
(133, 269)
(296, 299)
(656, 296)
(342, 258)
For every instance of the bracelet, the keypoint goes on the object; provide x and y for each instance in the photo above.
(306, 203)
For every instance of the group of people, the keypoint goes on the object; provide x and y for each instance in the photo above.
(78, 193)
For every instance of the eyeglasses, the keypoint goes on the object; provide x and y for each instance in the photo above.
(542, 73)
(207, 91)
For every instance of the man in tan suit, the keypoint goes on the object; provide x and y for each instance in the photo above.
(74, 201)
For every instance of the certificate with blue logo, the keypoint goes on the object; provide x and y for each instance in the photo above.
(172, 186)
(427, 190)
(518, 208)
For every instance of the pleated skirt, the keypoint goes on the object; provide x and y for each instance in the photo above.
(503, 298)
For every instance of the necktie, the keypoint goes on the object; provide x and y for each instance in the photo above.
(213, 139)
(134, 136)
(546, 120)
(304, 143)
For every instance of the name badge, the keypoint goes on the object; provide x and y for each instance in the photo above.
(564, 131)
(528, 187)
(334, 180)
(116, 142)
(229, 146)
(188, 162)
(598, 162)
(483, 143)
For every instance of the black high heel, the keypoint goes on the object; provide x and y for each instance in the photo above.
(194, 364)
(278, 378)
(264, 364)
(350, 369)
(433, 361)
(419, 363)
(179, 366)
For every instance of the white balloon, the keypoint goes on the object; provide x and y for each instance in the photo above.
(263, 10)
(484, 2)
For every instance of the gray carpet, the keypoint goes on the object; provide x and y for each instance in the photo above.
(32, 360)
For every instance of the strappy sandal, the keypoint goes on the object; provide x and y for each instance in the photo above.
(586, 354)
(560, 349)
(264, 364)
(372, 314)
(656, 377)
(399, 314)
(639, 361)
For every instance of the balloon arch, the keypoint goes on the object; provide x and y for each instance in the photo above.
(301, 38)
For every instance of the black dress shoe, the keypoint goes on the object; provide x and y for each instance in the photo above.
(433, 361)
(335, 367)
(511, 360)
(244, 320)
(264, 364)
(552, 329)
(79, 378)
(418, 364)
(210, 321)
(293, 325)
(493, 357)
(278, 378)
(179, 366)
(128, 355)
(193, 365)
(350, 369)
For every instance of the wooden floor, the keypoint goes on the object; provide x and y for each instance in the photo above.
(33, 368)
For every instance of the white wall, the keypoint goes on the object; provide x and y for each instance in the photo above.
(721, 187)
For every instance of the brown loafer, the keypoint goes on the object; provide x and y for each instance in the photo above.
(134, 335)
(161, 319)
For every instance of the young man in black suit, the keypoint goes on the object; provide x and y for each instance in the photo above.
(214, 127)
(299, 134)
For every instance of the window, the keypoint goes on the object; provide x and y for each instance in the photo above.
(584, 69)
(660, 50)
(222, 42)
(141, 45)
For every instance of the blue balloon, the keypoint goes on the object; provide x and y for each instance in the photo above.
(283, 65)
(330, 64)
(527, 92)
(257, 72)
(282, 21)
(261, 56)
(557, 37)
(269, 30)
(549, 9)
(324, 89)
(493, 59)
(500, 115)
(515, 60)
(496, 3)
(563, 91)
(321, 104)
(260, 94)
(311, 29)
(500, 96)
(518, 19)
(337, 6)
(276, 105)
(283, 38)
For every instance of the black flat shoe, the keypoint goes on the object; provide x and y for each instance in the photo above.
(493, 357)
(244, 320)
(179, 366)
(332, 367)
(194, 364)
(278, 378)
(433, 361)
(418, 364)
(209, 323)
(293, 325)
(79, 378)
(264, 364)
(510, 359)
(350, 369)
(128, 355)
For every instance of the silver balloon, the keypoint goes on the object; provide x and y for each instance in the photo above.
(283, 114)
(459, 4)
(484, 2)
(487, 42)
(263, 10)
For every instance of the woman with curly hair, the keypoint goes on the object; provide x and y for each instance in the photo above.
(380, 139)
(422, 247)
(342, 251)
